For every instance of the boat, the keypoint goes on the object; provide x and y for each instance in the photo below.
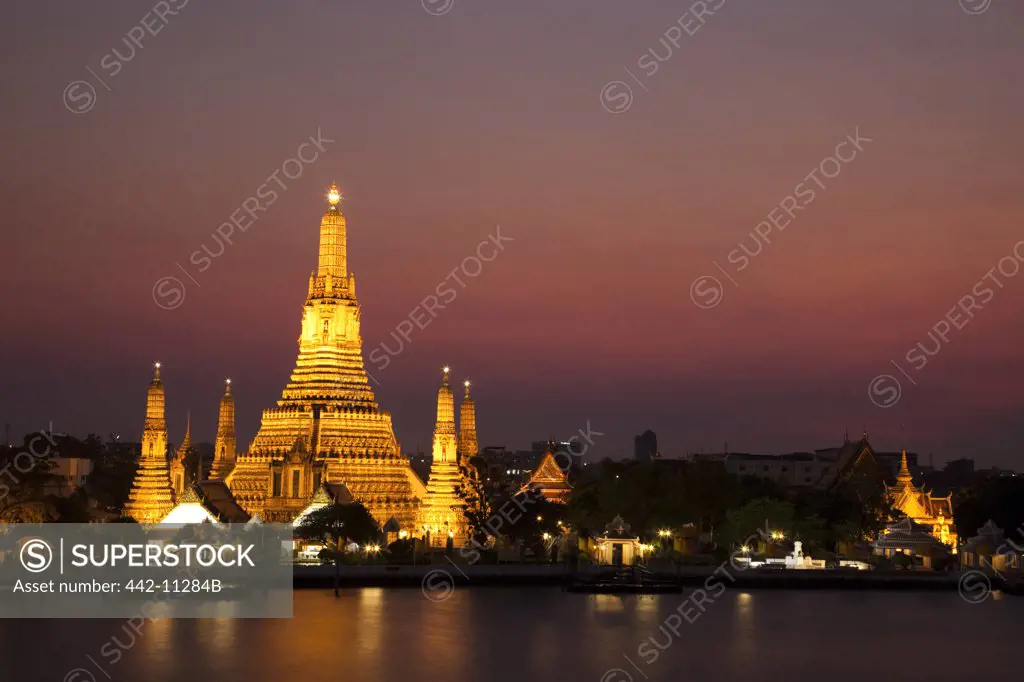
(622, 580)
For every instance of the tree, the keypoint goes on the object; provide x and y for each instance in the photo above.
(25, 473)
(1000, 499)
(110, 482)
(760, 514)
(334, 524)
(477, 505)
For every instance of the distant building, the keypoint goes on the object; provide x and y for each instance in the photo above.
(618, 546)
(959, 474)
(509, 470)
(550, 480)
(925, 509)
(818, 469)
(70, 474)
(645, 446)
(420, 464)
(911, 539)
(568, 452)
(990, 550)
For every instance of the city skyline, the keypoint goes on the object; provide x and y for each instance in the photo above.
(590, 313)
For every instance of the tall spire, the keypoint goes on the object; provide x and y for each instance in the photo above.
(186, 442)
(333, 240)
(468, 446)
(445, 425)
(327, 423)
(904, 477)
(441, 512)
(185, 463)
(151, 497)
(155, 403)
(225, 443)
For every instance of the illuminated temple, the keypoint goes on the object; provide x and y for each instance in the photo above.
(922, 507)
(441, 514)
(224, 446)
(327, 431)
(151, 496)
(327, 426)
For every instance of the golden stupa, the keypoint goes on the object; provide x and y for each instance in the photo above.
(327, 426)
(468, 447)
(441, 514)
(224, 445)
(151, 496)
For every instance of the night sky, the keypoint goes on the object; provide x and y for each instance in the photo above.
(447, 125)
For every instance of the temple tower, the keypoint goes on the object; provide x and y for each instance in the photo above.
(467, 428)
(444, 447)
(327, 426)
(151, 496)
(921, 506)
(333, 254)
(184, 464)
(225, 446)
(903, 478)
(441, 514)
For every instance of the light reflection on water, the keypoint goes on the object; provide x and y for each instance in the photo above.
(392, 635)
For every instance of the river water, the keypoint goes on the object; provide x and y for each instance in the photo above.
(505, 634)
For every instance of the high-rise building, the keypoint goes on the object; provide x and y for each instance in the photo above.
(151, 496)
(645, 446)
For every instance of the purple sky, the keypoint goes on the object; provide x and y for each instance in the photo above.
(446, 126)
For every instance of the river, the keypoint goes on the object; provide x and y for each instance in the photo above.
(506, 634)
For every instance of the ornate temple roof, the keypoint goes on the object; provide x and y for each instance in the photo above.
(219, 500)
(549, 479)
(618, 529)
(916, 502)
(327, 422)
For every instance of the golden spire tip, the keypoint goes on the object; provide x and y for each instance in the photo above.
(333, 195)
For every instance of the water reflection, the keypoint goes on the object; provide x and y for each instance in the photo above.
(745, 635)
(505, 635)
(217, 635)
(371, 620)
(444, 634)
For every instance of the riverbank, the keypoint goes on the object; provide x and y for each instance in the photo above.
(431, 576)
